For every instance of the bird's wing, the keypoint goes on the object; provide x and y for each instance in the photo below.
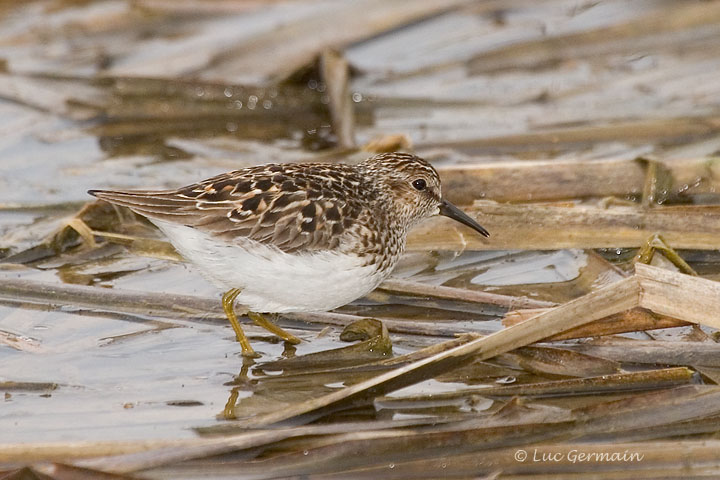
(292, 207)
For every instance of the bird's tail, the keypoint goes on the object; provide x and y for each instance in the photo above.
(162, 204)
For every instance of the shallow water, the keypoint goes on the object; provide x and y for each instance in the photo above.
(154, 94)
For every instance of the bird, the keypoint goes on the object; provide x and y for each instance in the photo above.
(296, 237)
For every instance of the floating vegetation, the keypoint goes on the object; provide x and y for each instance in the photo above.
(580, 339)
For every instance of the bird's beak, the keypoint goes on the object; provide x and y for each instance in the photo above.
(451, 211)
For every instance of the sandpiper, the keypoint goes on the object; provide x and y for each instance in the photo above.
(300, 237)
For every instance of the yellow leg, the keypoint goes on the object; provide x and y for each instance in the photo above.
(263, 322)
(228, 299)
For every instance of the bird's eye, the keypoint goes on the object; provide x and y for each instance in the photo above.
(419, 184)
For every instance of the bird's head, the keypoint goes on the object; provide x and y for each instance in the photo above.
(413, 186)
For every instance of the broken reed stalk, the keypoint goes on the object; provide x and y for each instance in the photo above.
(542, 180)
(643, 380)
(697, 354)
(677, 295)
(635, 320)
(406, 287)
(552, 227)
(209, 310)
(116, 300)
(553, 137)
(335, 71)
(667, 299)
(165, 452)
(9, 386)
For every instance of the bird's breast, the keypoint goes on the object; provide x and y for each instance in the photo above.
(275, 281)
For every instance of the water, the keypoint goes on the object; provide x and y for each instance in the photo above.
(111, 96)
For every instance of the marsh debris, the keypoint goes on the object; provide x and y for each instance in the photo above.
(586, 137)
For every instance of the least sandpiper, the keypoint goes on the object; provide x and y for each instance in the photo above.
(296, 237)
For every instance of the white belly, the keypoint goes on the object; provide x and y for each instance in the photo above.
(271, 280)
